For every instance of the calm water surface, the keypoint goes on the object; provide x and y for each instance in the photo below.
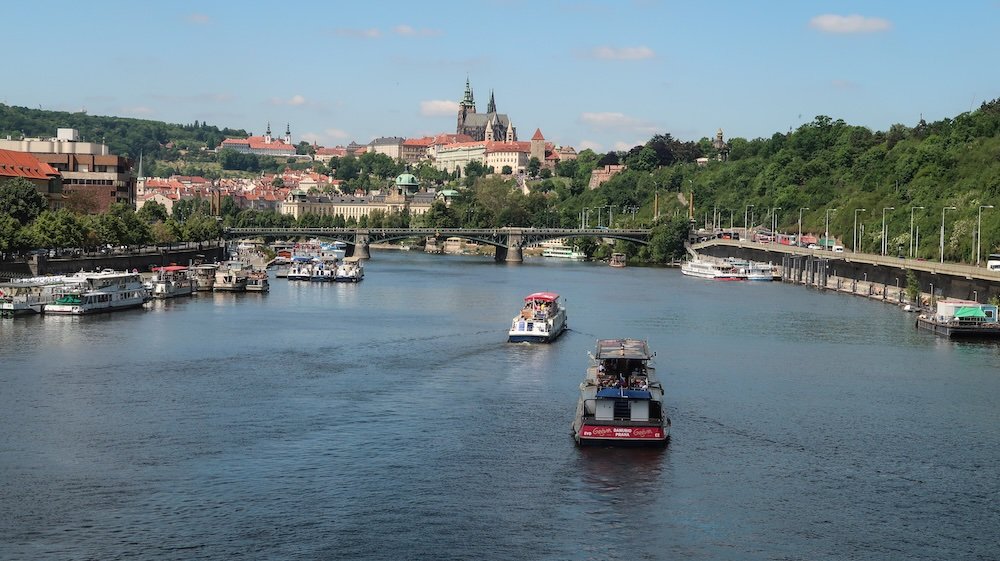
(390, 420)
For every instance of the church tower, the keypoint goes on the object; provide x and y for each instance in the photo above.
(538, 146)
(288, 134)
(491, 107)
(465, 107)
(267, 134)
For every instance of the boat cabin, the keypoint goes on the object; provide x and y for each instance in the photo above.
(540, 305)
(966, 313)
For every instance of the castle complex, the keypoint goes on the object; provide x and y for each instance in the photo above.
(491, 126)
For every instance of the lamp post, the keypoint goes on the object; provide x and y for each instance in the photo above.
(746, 224)
(855, 234)
(798, 240)
(774, 224)
(826, 235)
(942, 229)
(884, 237)
(979, 233)
(912, 243)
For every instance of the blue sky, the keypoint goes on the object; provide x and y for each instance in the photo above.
(599, 74)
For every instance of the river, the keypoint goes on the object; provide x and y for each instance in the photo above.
(391, 420)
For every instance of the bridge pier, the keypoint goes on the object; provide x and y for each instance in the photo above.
(514, 252)
(361, 250)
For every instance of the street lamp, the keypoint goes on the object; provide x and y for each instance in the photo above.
(798, 240)
(911, 228)
(979, 233)
(774, 224)
(884, 237)
(746, 229)
(826, 236)
(942, 229)
(855, 240)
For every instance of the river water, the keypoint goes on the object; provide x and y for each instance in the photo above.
(390, 420)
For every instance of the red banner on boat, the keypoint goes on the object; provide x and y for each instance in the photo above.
(621, 433)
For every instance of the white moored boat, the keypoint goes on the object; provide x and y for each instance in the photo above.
(106, 291)
(621, 400)
(257, 281)
(171, 282)
(231, 277)
(301, 269)
(351, 270)
(28, 296)
(541, 320)
(752, 270)
(705, 269)
(204, 276)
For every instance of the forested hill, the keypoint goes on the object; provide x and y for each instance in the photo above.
(124, 136)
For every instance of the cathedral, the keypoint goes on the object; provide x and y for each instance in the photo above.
(490, 126)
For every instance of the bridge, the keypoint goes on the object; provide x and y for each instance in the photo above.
(936, 279)
(509, 242)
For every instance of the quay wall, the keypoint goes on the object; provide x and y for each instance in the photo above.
(946, 280)
(40, 265)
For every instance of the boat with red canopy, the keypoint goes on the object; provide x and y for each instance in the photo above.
(541, 319)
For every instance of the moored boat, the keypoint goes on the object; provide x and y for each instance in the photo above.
(257, 281)
(105, 291)
(231, 277)
(204, 276)
(323, 270)
(351, 270)
(301, 269)
(28, 296)
(171, 281)
(961, 319)
(704, 269)
(752, 270)
(541, 320)
(560, 250)
(617, 260)
(621, 400)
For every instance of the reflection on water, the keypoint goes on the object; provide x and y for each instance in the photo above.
(390, 419)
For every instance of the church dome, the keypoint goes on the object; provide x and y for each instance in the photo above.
(407, 180)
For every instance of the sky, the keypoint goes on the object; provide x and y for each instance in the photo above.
(605, 75)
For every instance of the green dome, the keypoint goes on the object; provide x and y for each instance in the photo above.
(407, 180)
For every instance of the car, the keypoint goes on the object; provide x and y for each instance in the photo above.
(813, 246)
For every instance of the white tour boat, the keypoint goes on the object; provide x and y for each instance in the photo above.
(621, 400)
(231, 277)
(752, 270)
(28, 296)
(204, 276)
(171, 281)
(351, 270)
(617, 260)
(324, 269)
(541, 320)
(705, 269)
(257, 281)
(301, 269)
(106, 291)
(560, 250)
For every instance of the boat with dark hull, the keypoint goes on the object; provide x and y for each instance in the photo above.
(961, 319)
(621, 400)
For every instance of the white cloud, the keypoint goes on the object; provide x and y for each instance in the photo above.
(617, 121)
(371, 33)
(329, 137)
(621, 53)
(438, 108)
(844, 84)
(295, 100)
(596, 147)
(832, 23)
(198, 19)
(408, 31)
(622, 146)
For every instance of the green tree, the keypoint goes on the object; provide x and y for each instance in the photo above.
(666, 241)
(56, 229)
(533, 166)
(10, 233)
(506, 170)
(20, 199)
(152, 211)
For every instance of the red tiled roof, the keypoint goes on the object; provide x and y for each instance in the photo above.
(538, 135)
(23, 164)
(497, 146)
(258, 143)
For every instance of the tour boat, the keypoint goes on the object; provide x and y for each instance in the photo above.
(231, 277)
(204, 276)
(106, 291)
(351, 270)
(559, 250)
(257, 281)
(752, 270)
(324, 270)
(704, 269)
(171, 281)
(962, 319)
(28, 296)
(621, 400)
(301, 269)
(541, 320)
(617, 260)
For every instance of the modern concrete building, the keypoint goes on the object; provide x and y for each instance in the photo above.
(92, 177)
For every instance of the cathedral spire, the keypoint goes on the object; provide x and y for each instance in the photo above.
(492, 106)
(467, 99)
